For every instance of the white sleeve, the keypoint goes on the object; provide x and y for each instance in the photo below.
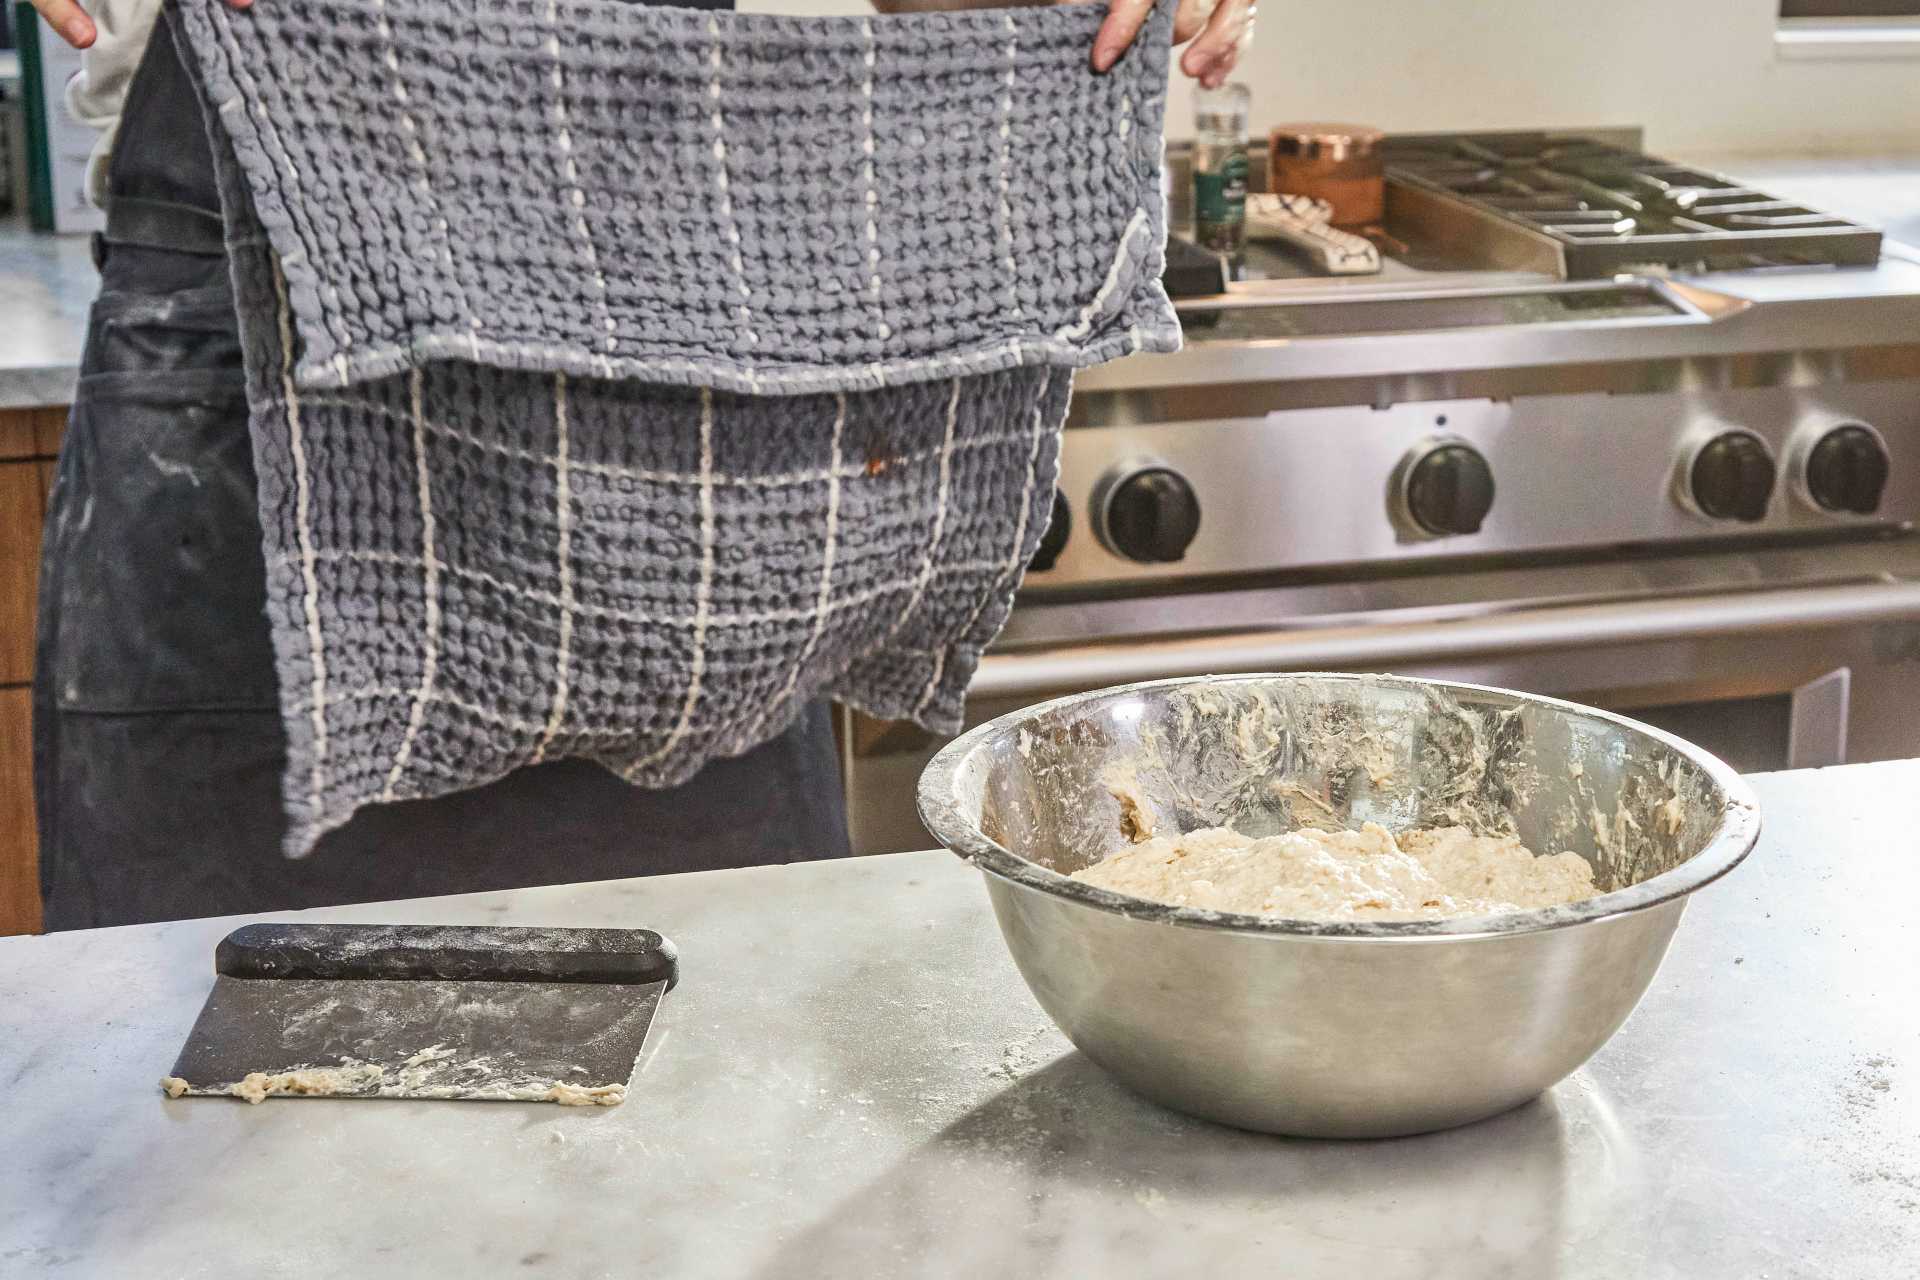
(96, 94)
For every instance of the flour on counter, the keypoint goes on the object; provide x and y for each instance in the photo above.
(1367, 874)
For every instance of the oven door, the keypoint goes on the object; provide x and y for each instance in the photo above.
(1767, 679)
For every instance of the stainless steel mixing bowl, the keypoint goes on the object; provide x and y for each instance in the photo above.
(1334, 1029)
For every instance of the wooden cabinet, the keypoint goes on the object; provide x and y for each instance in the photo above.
(19, 849)
(22, 505)
(29, 439)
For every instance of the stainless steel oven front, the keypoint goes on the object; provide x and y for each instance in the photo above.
(1775, 658)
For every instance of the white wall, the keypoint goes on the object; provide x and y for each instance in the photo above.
(1697, 73)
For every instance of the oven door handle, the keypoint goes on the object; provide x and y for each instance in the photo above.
(1378, 646)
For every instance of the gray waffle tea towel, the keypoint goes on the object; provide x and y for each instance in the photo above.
(623, 378)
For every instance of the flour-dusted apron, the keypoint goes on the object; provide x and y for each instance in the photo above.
(159, 745)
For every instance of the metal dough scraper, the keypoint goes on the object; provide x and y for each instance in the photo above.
(425, 1011)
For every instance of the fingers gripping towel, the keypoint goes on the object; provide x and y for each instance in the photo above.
(623, 378)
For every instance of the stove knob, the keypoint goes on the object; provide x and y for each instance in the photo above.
(1449, 490)
(1731, 477)
(1054, 540)
(1152, 516)
(1847, 470)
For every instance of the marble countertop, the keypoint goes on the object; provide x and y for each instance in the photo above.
(48, 282)
(852, 1080)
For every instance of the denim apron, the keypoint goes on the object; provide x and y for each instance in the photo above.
(158, 745)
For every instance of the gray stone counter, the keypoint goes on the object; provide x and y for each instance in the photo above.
(852, 1080)
(47, 284)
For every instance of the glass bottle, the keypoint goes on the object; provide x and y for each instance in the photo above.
(1220, 168)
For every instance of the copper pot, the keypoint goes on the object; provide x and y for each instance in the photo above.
(1338, 163)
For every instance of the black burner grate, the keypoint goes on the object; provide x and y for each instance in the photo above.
(1606, 209)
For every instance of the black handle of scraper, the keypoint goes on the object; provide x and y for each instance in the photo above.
(459, 953)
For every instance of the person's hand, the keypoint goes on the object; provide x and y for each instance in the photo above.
(1223, 28)
(73, 24)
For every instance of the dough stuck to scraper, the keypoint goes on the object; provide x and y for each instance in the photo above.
(316, 1082)
(370, 1080)
(575, 1095)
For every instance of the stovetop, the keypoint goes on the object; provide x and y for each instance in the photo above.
(1593, 209)
(1571, 348)
(1504, 253)
(1538, 210)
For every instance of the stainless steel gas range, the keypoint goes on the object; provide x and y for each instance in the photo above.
(1603, 427)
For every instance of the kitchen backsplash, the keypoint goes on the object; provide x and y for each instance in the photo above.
(1696, 73)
